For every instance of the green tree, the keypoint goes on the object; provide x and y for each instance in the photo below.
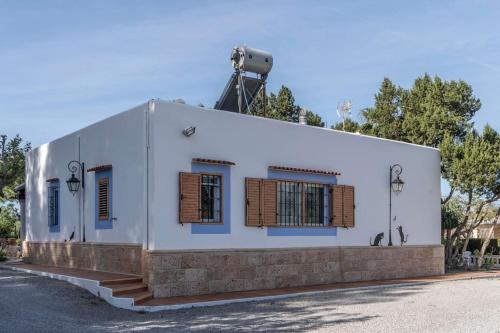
(472, 168)
(9, 221)
(12, 163)
(385, 118)
(313, 119)
(433, 109)
(439, 113)
(283, 107)
(429, 111)
(451, 214)
(348, 125)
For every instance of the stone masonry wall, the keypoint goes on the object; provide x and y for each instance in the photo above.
(176, 273)
(118, 258)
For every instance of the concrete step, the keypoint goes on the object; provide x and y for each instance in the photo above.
(127, 288)
(108, 283)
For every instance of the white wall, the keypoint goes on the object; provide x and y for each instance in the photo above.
(44, 162)
(120, 141)
(255, 143)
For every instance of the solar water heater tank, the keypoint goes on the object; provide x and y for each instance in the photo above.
(251, 60)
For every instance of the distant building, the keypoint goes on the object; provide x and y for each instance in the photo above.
(483, 229)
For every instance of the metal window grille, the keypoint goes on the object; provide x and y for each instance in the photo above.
(302, 204)
(289, 203)
(53, 206)
(314, 195)
(210, 198)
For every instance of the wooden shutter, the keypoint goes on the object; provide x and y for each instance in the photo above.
(336, 205)
(342, 206)
(189, 197)
(253, 202)
(348, 206)
(269, 202)
(103, 199)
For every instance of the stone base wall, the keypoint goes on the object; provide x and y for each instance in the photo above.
(177, 273)
(117, 258)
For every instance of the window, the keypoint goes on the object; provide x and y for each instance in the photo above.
(53, 206)
(302, 204)
(104, 199)
(284, 203)
(210, 198)
(315, 196)
(200, 198)
(289, 203)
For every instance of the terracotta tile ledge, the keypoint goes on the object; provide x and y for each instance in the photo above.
(73, 272)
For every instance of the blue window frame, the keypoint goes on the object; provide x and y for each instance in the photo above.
(104, 199)
(314, 211)
(211, 203)
(303, 204)
(225, 194)
(53, 206)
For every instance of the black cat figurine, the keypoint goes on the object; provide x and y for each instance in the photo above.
(402, 235)
(378, 240)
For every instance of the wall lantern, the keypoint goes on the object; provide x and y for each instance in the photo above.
(188, 131)
(73, 182)
(396, 186)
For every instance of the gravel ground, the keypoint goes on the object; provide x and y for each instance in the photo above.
(30, 303)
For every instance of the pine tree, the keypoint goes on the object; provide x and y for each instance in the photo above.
(282, 107)
(386, 117)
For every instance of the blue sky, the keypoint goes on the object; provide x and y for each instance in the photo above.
(67, 64)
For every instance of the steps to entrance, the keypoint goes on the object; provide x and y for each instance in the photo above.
(122, 290)
(129, 288)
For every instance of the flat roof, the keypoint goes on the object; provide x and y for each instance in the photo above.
(235, 114)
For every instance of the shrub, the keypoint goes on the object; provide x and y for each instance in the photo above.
(9, 221)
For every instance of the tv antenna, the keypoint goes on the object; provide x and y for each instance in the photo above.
(344, 111)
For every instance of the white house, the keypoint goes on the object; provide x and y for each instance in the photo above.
(205, 201)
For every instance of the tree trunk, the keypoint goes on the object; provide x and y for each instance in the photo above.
(466, 242)
(487, 240)
(448, 197)
(450, 249)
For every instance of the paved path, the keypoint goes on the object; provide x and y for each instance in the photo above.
(31, 303)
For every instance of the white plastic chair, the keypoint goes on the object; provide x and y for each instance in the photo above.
(467, 258)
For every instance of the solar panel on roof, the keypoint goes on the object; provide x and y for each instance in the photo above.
(228, 101)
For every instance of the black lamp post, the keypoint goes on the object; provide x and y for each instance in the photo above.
(73, 182)
(396, 185)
